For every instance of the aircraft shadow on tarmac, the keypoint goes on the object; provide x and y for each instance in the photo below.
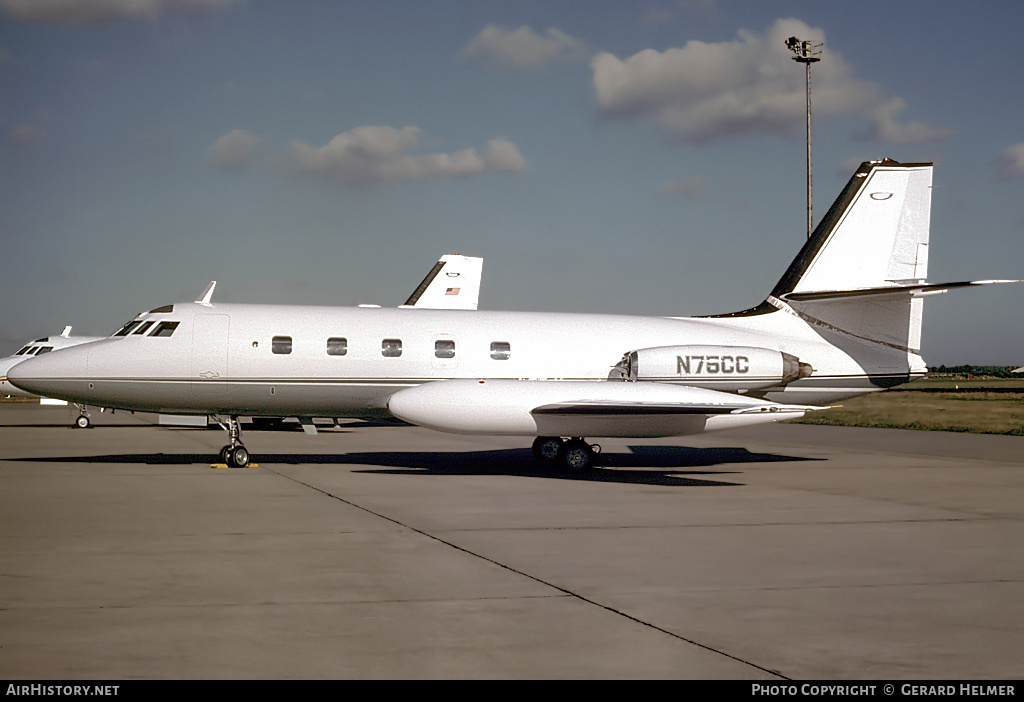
(648, 465)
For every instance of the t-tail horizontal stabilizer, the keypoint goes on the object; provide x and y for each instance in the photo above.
(917, 290)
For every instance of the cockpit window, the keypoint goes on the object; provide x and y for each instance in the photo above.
(165, 329)
(162, 310)
(23, 350)
(44, 349)
(142, 329)
(127, 328)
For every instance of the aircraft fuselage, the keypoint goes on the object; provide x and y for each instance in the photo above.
(275, 360)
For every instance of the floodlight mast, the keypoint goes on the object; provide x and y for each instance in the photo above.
(807, 52)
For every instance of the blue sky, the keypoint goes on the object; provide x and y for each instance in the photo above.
(629, 157)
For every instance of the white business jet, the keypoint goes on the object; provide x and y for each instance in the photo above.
(845, 319)
(457, 289)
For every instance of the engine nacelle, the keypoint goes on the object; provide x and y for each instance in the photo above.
(731, 368)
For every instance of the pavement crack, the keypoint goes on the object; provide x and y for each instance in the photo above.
(558, 588)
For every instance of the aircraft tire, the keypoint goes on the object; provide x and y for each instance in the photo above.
(224, 454)
(546, 449)
(238, 457)
(576, 456)
(82, 422)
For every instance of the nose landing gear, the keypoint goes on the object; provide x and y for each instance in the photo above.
(234, 454)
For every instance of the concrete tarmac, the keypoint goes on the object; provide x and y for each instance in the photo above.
(370, 551)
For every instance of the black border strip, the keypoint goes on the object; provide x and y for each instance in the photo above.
(414, 298)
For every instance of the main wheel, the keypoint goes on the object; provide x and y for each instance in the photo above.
(82, 422)
(224, 454)
(546, 448)
(576, 455)
(238, 457)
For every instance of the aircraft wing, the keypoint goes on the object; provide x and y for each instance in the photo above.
(580, 408)
(452, 284)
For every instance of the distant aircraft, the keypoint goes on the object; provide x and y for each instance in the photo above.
(844, 319)
(36, 348)
(457, 289)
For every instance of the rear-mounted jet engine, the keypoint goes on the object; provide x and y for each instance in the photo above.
(729, 368)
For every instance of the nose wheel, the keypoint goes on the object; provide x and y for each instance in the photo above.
(234, 454)
(82, 420)
(236, 457)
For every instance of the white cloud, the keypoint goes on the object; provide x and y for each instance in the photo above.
(233, 151)
(688, 186)
(86, 11)
(522, 50)
(751, 85)
(26, 133)
(366, 155)
(883, 127)
(1011, 162)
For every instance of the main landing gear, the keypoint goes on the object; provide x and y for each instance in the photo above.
(574, 455)
(234, 454)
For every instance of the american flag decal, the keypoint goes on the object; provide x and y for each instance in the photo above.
(452, 291)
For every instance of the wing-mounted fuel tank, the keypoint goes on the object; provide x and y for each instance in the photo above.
(729, 368)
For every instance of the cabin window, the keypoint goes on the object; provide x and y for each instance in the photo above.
(337, 346)
(165, 328)
(501, 350)
(127, 329)
(391, 348)
(444, 348)
(44, 349)
(145, 326)
(281, 344)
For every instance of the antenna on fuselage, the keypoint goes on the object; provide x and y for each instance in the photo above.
(204, 298)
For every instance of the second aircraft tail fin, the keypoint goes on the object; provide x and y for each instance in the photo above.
(452, 284)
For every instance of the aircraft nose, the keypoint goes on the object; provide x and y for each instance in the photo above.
(51, 375)
(6, 387)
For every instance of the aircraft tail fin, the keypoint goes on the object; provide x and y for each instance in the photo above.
(452, 284)
(861, 275)
(874, 235)
(863, 269)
